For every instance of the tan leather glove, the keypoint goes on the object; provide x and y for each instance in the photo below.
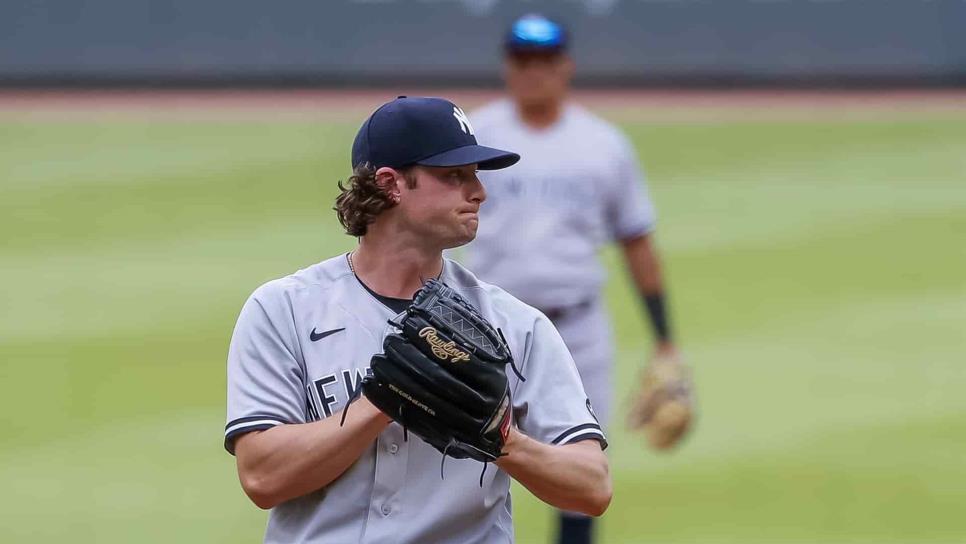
(663, 408)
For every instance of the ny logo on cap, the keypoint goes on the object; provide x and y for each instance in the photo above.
(463, 120)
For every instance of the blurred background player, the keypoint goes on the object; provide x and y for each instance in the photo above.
(577, 188)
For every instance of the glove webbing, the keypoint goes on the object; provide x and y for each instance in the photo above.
(445, 326)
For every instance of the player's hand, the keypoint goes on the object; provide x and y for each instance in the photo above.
(665, 349)
(663, 408)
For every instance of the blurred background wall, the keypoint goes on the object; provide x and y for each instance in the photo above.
(447, 42)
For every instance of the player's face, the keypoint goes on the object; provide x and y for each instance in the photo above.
(443, 208)
(536, 78)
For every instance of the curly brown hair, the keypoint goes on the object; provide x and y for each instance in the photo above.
(361, 199)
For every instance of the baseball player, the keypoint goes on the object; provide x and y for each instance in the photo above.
(577, 187)
(306, 345)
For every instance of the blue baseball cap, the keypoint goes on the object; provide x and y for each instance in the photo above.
(424, 131)
(537, 33)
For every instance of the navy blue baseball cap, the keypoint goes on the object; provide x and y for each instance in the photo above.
(424, 131)
(535, 33)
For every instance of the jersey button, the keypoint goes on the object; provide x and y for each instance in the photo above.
(393, 448)
(386, 509)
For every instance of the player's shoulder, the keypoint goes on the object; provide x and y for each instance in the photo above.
(591, 125)
(495, 113)
(320, 276)
(521, 324)
(485, 294)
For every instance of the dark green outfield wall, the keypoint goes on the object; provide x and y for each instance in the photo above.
(455, 41)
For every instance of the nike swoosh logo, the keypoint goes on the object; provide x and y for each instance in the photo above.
(316, 336)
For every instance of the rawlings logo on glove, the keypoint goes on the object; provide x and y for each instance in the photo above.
(444, 350)
(462, 410)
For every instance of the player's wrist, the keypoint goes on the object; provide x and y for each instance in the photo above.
(656, 306)
(371, 412)
(665, 348)
(514, 447)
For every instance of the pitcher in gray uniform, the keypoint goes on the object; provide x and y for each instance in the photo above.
(577, 187)
(303, 343)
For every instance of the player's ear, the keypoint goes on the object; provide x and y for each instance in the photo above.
(389, 180)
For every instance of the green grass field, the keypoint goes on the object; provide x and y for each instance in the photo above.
(818, 272)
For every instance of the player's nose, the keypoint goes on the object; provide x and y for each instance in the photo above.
(477, 192)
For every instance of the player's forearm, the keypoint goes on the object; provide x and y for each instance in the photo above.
(645, 267)
(573, 477)
(643, 263)
(289, 461)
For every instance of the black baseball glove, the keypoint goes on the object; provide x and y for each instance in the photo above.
(443, 376)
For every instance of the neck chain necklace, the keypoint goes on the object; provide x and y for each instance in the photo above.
(352, 268)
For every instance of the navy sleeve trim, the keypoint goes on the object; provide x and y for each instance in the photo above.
(567, 435)
(250, 419)
(243, 425)
(589, 436)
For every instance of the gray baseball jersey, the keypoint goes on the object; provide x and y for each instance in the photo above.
(300, 349)
(577, 186)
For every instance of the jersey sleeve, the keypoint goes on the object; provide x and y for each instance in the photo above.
(631, 211)
(264, 375)
(551, 405)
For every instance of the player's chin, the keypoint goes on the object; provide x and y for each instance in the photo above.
(466, 233)
(469, 222)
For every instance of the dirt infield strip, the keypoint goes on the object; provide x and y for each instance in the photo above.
(352, 105)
